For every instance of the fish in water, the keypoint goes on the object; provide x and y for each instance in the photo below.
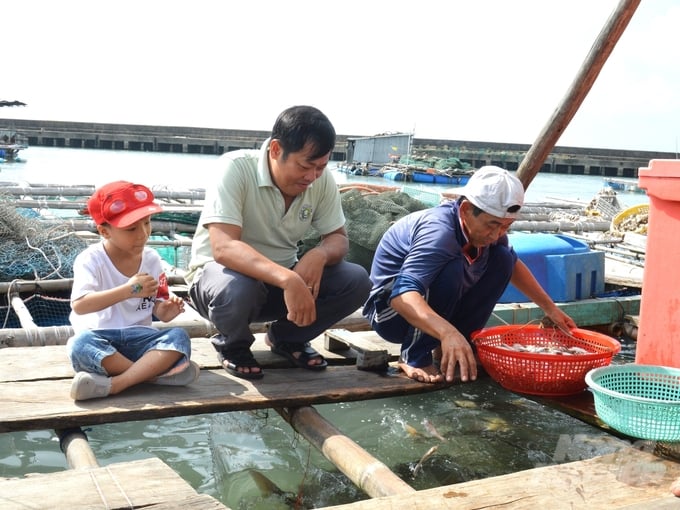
(432, 430)
(466, 404)
(411, 430)
(496, 424)
(429, 453)
(267, 488)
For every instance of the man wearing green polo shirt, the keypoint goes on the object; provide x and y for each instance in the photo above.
(244, 258)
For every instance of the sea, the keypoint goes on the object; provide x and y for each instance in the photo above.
(479, 429)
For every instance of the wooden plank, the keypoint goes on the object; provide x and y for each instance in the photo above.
(51, 361)
(45, 403)
(371, 352)
(136, 484)
(623, 479)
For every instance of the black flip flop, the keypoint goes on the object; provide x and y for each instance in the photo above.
(241, 358)
(307, 353)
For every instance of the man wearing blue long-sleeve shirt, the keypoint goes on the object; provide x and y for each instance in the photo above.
(437, 275)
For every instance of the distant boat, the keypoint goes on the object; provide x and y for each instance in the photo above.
(618, 184)
(425, 177)
(394, 175)
(10, 145)
(10, 141)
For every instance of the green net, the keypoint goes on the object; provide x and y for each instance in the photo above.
(368, 217)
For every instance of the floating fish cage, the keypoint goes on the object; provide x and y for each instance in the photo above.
(542, 361)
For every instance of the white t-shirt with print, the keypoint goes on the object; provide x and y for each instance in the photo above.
(93, 271)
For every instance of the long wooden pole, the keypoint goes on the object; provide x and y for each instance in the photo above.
(367, 472)
(74, 444)
(590, 69)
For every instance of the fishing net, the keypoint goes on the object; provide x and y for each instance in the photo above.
(44, 310)
(32, 250)
(368, 216)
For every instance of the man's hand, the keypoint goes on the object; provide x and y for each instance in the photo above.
(299, 301)
(310, 268)
(456, 350)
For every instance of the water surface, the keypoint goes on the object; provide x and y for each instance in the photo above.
(486, 430)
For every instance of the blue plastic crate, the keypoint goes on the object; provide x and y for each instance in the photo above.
(565, 267)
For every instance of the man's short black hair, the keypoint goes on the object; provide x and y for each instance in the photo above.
(298, 126)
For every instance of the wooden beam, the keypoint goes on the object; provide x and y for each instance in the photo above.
(73, 442)
(364, 470)
(629, 478)
(31, 404)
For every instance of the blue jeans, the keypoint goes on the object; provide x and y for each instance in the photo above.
(87, 349)
(232, 300)
(467, 310)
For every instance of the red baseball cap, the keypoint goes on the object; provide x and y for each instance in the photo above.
(121, 203)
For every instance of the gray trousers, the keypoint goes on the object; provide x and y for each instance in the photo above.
(232, 300)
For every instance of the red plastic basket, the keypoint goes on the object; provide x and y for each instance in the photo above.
(539, 373)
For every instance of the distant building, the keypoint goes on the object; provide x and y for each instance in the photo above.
(379, 149)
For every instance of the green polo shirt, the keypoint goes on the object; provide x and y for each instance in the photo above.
(246, 196)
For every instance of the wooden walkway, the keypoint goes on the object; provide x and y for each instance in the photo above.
(137, 484)
(629, 479)
(35, 384)
(34, 395)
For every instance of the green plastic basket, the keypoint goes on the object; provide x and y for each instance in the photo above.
(642, 401)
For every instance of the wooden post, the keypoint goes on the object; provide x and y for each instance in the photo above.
(590, 69)
(365, 471)
(74, 444)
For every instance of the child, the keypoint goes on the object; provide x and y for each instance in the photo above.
(118, 284)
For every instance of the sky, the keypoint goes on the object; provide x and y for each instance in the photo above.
(482, 70)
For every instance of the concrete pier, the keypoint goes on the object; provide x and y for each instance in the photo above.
(193, 140)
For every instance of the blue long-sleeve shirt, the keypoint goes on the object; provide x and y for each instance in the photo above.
(413, 251)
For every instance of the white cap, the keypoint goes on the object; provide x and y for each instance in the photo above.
(495, 191)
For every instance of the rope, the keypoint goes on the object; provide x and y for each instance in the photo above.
(102, 497)
(120, 488)
(99, 490)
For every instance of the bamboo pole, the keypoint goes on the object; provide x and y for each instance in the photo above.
(195, 328)
(87, 190)
(365, 471)
(61, 284)
(25, 317)
(59, 335)
(88, 225)
(33, 203)
(590, 69)
(560, 226)
(73, 442)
